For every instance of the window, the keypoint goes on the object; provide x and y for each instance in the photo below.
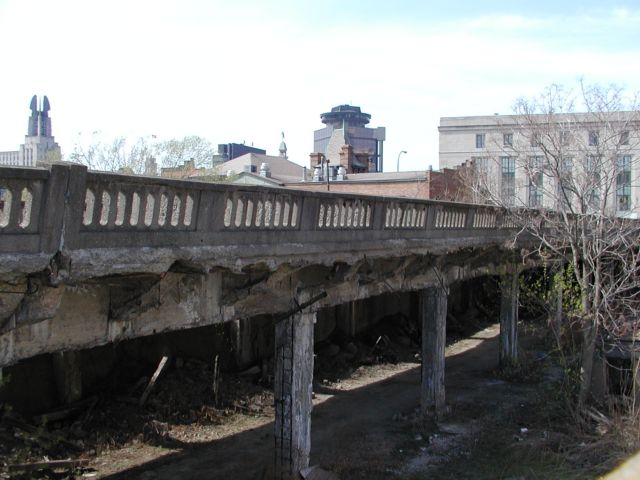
(481, 163)
(624, 137)
(565, 183)
(508, 191)
(593, 168)
(480, 140)
(507, 139)
(535, 181)
(536, 140)
(564, 138)
(623, 183)
(593, 138)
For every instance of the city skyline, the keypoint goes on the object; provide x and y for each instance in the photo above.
(245, 71)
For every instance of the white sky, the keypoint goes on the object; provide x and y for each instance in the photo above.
(234, 71)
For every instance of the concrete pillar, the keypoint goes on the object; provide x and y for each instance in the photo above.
(243, 343)
(292, 392)
(433, 316)
(354, 311)
(68, 375)
(509, 319)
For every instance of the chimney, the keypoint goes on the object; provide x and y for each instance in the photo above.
(264, 170)
(346, 157)
(315, 159)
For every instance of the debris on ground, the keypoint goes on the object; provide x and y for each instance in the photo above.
(317, 473)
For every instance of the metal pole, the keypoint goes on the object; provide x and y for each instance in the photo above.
(398, 162)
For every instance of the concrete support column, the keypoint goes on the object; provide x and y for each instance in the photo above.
(433, 316)
(243, 343)
(68, 375)
(509, 319)
(292, 392)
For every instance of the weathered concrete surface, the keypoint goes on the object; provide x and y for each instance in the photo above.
(115, 308)
(509, 289)
(140, 255)
(292, 394)
(68, 373)
(433, 313)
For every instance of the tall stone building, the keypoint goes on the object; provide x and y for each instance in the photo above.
(550, 160)
(346, 125)
(39, 144)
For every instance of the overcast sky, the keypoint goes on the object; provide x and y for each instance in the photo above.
(236, 70)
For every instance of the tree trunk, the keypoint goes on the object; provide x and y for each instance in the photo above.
(586, 362)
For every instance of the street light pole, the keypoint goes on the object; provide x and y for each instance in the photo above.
(328, 174)
(398, 163)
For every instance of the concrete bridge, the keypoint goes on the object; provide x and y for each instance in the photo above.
(88, 258)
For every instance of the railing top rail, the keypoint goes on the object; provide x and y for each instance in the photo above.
(109, 177)
(72, 208)
(35, 173)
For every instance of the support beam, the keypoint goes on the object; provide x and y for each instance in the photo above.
(509, 319)
(292, 392)
(68, 375)
(433, 315)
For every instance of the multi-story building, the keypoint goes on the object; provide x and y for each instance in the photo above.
(39, 144)
(346, 125)
(229, 151)
(549, 160)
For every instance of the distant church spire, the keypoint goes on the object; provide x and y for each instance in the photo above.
(283, 148)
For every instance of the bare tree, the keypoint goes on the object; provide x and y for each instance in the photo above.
(142, 155)
(174, 152)
(569, 180)
(117, 155)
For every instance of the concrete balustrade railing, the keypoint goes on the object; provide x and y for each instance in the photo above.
(68, 207)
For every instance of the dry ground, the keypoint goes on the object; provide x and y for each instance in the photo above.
(364, 427)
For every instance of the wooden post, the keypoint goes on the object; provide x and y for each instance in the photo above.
(68, 375)
(292, 392)
(433, 313)
(509, 319)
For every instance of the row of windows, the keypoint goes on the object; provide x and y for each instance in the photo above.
(563, 188)
(564, 137)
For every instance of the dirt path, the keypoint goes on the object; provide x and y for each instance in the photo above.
(361, 427)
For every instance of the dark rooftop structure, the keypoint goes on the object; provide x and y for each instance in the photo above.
(346, 125)
(229, 151)
(350, 115)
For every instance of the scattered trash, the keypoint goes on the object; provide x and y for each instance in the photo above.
(155, 430)
(255, 370)
(154, 379)
(48, 464)
(317, 473)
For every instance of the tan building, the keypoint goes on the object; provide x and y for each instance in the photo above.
(516, 155)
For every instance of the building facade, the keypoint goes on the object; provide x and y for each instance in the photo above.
(229, 151)
(39, 143)
(550, 160)
(347, 125)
